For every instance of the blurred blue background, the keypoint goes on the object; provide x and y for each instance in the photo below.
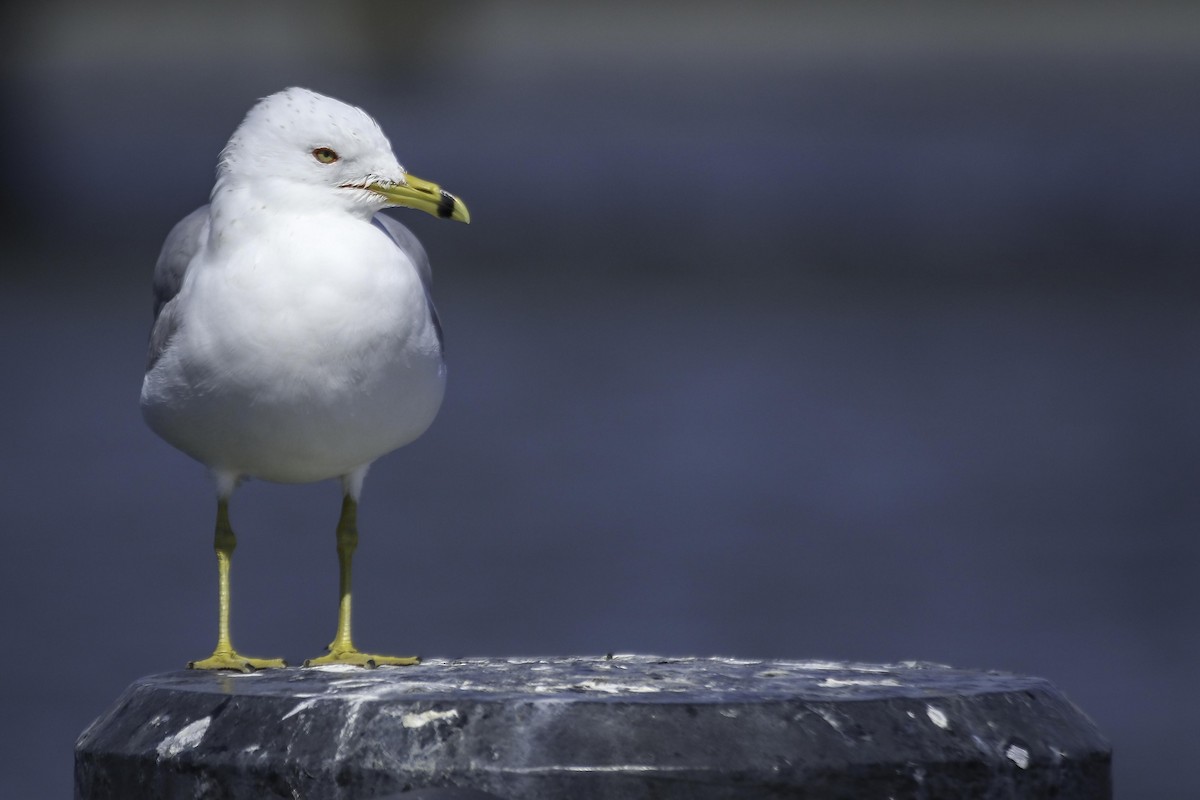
(852, 331)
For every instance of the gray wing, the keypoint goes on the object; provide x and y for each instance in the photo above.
(410, 244)
(177, 251)
(181, 246)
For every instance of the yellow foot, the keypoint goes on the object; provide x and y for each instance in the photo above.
(231, 659)
(353, 656)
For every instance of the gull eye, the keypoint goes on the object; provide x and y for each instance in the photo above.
(325, 155)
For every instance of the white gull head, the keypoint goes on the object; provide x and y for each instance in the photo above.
(297, 148)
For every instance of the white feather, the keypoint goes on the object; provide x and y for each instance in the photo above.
(295, 340)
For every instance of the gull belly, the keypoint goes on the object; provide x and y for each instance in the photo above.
(306, 348)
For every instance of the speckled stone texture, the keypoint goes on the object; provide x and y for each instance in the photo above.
(598, 728)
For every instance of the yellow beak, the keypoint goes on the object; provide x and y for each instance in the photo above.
(423, 196)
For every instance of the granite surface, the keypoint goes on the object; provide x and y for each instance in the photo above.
(594, 727)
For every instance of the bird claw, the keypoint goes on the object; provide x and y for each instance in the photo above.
(231, 659)
(358, 659)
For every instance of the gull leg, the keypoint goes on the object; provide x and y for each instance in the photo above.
(342, 649)
(224, 656)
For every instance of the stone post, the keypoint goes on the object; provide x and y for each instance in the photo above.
(603, 728)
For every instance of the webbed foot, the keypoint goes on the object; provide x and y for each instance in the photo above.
(351, 655)
(231, 659)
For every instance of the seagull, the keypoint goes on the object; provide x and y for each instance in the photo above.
(294, 337)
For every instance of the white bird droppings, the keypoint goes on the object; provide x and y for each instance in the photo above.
(938, 717)
(1018, 755)
(426, 717)
(304, 705)
(186, 739)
